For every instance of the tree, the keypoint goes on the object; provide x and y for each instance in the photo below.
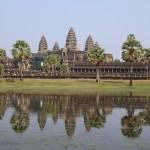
(21, 52)
(131, 124)
(146, 59)
(19, 122)
(52, 62)
(2, 57)
(63, 68)
(131, 52)
(97, 56)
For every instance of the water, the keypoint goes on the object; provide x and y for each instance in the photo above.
(74, 122)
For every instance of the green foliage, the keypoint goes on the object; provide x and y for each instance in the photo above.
(131, 49)
(21, 51)
(19, 122)
(2, 54)
(1, 70)
(145, 116)
(52, 62)
(96, 55)
(2, 57)
(146, 56)
(63, 68)
(96, 119)
(131, 126)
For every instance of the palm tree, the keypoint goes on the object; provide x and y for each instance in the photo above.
(146, 58)
(97, 119)
(131, 124)
(19, 122)
(97, 56)
(2, 57)
(63, 68)
(131, 52)
(52, 62)
(21, 52)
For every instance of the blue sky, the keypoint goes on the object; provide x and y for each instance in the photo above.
(108, 21)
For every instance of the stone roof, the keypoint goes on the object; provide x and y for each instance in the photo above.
(71, 41)
(96, 45)
(43, 46)
(89, 45)
(56, 47)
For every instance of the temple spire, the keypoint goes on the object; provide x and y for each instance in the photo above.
(71, 41)
(43, 46)
(89, 45)
(56, 47)
(96, 45)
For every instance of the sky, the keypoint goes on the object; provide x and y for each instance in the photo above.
(108, 21)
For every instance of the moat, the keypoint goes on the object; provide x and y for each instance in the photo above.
(74, 122)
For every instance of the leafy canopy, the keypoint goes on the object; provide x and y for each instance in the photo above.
(21, 50)
(131, 49)
(52, 61)
(146, 56)
(2, 54)
(96, 55)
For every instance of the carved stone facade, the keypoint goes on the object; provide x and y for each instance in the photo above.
(89, 45)
(71, 41)
(56, 47)
(43, 46)
(70, 54)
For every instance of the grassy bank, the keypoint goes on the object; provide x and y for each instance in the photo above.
(74, 86)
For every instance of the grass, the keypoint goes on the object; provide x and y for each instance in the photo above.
(75, 86)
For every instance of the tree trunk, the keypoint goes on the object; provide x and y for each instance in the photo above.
(131, 72)
(97, 74)
(147, 71)
(21, 73)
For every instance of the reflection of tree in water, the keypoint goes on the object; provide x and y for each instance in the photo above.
(19, 122)
(145, 115)
(131, 124)
(93, 108)
(2, 108)
(96, 119)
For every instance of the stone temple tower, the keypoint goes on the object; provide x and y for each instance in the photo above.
(89, 45)
(71, 42)
(43, 46)
(56, 47)
(96, 45)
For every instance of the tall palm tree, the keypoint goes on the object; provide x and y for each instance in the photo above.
(19, 122)
(146, 59)
(131, 52)
(97, 56)
(21, 52)
(2, 57)
(52, 62)
(131, 124)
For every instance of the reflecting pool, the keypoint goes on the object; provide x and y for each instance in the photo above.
(74, 122)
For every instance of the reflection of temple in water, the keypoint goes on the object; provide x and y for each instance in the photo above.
(93, 108)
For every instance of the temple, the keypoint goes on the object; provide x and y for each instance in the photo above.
(43, 47)
(70, 53)
(77, 61)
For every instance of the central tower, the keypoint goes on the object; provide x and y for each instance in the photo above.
(71, 42)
